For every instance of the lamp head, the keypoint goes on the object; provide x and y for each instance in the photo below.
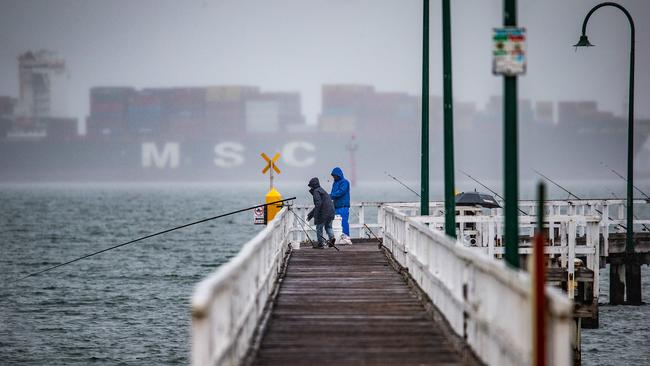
(583, 42)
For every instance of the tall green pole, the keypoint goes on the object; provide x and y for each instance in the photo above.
(424, 158)
(511, 161)
(631, 274)
(448, 111)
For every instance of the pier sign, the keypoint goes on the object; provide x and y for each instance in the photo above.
(258, 216)
(509, 51)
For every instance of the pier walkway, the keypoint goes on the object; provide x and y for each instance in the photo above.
(350, 308)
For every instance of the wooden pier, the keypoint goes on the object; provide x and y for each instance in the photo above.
(351, 308)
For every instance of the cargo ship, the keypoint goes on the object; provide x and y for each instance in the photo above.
(218, 132)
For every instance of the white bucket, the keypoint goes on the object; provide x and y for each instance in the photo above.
(337, 226)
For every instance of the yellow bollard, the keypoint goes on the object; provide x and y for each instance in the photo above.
(272, 210)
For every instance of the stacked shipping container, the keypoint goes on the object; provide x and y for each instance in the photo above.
(225, 109)
(108, 111)
(145, 113)
(347, 108)
(191, 113)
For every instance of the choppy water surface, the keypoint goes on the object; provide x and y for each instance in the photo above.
(131, 305)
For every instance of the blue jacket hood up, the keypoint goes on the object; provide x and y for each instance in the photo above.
(340, 189)
(337, 173)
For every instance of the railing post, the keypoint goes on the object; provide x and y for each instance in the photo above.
(571, 257)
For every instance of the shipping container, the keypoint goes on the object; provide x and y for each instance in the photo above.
(337, 124)
(262, 116)
(229, 93)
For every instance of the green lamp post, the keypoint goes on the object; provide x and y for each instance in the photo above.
(584, 42)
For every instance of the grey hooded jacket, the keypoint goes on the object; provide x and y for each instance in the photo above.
(323, 206)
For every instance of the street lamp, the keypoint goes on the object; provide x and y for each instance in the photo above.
(584, 42)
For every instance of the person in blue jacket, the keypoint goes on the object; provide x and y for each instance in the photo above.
(341, 197)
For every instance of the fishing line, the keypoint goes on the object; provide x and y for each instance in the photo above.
(317, 234)
(302, 227)
(624, 179)
(400, 182)
(491, 191)
(571, 194)
(645, 227)
(152, 235)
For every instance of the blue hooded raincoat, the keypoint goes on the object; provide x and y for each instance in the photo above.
(341, 197)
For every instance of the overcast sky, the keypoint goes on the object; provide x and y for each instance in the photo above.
(301, 44)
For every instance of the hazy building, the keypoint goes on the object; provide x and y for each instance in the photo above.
(42, 80)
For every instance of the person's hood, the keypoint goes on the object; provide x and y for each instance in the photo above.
(313, 183)
(337, 173)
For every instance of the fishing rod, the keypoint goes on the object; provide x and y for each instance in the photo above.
(152, 235)
(368, 229)
(571, 194)
(317, 233)
(645, 227)
(402, 183)
(556, 184)
(491, 191)
(303, 228)
(482, 185)
(625, 179)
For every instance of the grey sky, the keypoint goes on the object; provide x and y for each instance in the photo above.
(301, 44)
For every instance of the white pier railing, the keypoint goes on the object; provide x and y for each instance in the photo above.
(485, 303)
(227, 305)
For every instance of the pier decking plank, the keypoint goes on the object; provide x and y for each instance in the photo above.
(350, 308)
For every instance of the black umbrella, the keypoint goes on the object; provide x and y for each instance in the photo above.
(476, 199)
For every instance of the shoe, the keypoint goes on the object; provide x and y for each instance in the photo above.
(331, 242)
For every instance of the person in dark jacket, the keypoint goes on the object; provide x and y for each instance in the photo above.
(341, 197)
(322, 213)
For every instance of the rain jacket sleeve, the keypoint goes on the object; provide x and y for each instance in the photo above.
(340, 189)
(317, 205)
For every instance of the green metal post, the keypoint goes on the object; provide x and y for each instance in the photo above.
(511, 161)
(424, 159)
(448, 111)
(629, 243)
(633, 297)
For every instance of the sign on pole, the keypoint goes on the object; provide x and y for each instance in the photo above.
(509, 51)
(270, 166)
(258, 216)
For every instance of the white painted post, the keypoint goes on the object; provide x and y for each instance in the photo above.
(572, 255)
(491, 233)
(362, 219)
(596, 268)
